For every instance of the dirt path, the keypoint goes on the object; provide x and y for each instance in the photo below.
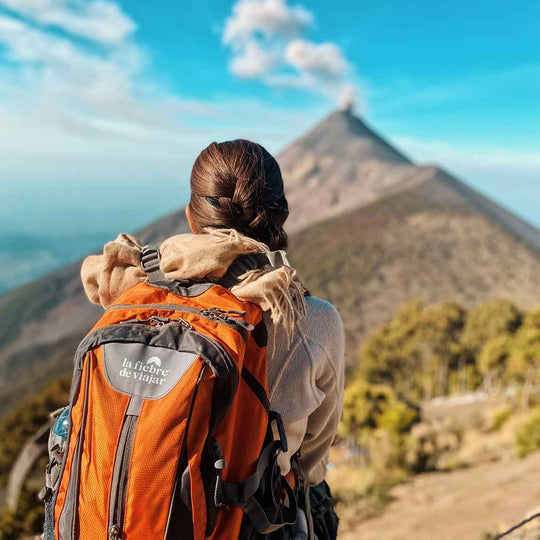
(460, 505)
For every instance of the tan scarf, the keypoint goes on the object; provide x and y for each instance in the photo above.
(202, 257)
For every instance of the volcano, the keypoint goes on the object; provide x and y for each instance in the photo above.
(368, 231)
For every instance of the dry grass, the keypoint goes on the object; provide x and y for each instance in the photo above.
(481, 487)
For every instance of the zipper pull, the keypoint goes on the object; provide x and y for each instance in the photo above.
(219, 497)
(216, 313)
(114, 532)
(183, 322)
(235, 312)
(225, 311)
(159, 321)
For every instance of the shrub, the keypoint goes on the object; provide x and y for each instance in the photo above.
(528, 435)
(26, 520)
(500, 417)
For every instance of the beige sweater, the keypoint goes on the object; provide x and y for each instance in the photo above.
(306, 384)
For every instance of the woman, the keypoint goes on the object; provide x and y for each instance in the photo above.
(238, 185)
(237, 209)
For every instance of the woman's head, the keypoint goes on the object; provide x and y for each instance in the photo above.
(238, 185)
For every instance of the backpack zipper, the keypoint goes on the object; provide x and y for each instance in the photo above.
(154, 320)
(120, 476)
(217, 314)
(212, 313)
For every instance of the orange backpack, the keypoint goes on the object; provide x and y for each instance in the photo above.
(170, 433)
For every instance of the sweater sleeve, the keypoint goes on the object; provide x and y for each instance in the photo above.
(306, 387)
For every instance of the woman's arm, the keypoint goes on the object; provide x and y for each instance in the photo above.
(306, 387)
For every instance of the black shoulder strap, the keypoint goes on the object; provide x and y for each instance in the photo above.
(245, 263)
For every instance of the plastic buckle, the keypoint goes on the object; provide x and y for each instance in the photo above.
(277, 258)
(276, 417)
(149, 258)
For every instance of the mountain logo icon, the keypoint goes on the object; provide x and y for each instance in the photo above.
(154, 360)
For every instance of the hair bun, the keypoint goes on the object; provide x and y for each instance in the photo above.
(238, 185)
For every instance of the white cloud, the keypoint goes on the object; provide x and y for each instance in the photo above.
(268, 42)
(253, 61)
(57, 72)
(73, 109)
(97, 20)
(269, 17)
(325, 59)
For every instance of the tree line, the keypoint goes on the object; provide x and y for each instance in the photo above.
(444, 349)
(434, 351)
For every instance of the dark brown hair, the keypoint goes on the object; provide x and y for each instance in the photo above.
(238, 185)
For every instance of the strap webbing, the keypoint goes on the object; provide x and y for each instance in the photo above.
(150, 259)
(260, 519)
(242, 495)
(256, 387)
(245, 263)
(238, 494)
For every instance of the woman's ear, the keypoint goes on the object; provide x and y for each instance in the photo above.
(189, 217)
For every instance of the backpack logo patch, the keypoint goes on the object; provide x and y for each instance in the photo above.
(143, 370)
(148, 373)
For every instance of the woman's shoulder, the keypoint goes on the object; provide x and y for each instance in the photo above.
(320, 327)
(322, 318)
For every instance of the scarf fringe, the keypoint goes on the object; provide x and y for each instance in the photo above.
(284, 300)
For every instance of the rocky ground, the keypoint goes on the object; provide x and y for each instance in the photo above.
(486, 490)
(458, 505)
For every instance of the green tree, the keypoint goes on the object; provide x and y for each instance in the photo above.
(416, 351)
(391, 355)
(524, 357)
(493, 358)
(362, 404)
(374, 419)
(532, 319)
(487, 321)
(439, 337)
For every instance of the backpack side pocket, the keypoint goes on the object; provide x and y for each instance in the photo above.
(56, 448)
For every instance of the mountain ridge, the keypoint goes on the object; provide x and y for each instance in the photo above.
(342, 164)
(366, 231)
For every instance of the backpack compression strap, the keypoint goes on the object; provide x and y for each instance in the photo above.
(243, 495)
(150, 259)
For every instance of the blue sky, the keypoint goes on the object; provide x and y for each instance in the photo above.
(103, 102)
